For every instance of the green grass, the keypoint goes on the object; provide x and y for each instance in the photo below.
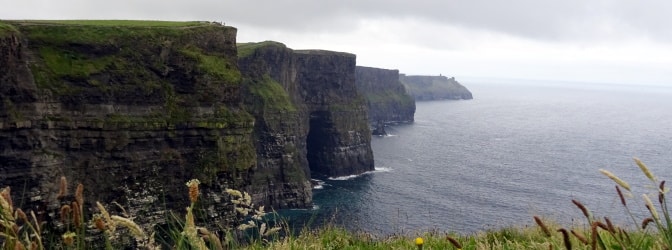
(247, 49)
(514, 238)
(127, 23)
(6, 29)
(215, 65)
(270, 95)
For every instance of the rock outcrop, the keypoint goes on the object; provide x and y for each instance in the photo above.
(387, 98)
(424, 88)
(310, 118)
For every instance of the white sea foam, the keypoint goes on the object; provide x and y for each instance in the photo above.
(350, 177)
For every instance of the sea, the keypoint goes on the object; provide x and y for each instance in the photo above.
(519, 149)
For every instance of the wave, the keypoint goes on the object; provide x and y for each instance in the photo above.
(350, 177)
(318, 184)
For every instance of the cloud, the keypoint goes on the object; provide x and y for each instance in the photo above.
(514, 38)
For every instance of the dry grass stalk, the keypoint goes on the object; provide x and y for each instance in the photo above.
(565, 238)
(65, 213)
(7, 197)
(79, 194)
(646, 222)
(583, 208)
(580, 237)
(645, 170)
(135, 230)
(76, 214)
(610, 226)
(210, 237)
(193, 190)
(618, 181)
(543, 227)
(454, 242)
(109, 222)
(19, 214)
(593, 236)
(652, 209)
(62, 188)
(620, 195)
(98, 222)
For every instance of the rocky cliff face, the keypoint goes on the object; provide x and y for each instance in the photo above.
(130, 112)
(424, 88)
(387, 98)
(315, 121)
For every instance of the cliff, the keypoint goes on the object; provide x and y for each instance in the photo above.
(386, 96)
(310, 118)
(133, 110)
(130, 111)
(424, 88)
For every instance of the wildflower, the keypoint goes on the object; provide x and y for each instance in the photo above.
(234, 193)
(69, 238)
(419, 242)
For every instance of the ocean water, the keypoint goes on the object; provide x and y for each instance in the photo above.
(519, 149)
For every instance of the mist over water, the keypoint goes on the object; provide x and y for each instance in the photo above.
(518, 149)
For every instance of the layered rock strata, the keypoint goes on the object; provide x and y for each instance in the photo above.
(386, 96)
(311, 119)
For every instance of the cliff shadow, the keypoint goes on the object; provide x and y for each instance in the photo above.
(318, 142)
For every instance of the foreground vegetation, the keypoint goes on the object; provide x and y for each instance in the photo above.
(20, 230)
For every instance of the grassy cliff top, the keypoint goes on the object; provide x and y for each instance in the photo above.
(323, 52)
(127, 23)
(6, 29)
(246, 49)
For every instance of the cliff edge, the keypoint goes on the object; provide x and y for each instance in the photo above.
(425, 88)
(132, 111)
(387, 98)
(310, 117)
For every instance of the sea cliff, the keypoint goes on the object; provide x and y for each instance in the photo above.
(311, 93)
(424, 88)
(387, 98)
(132, 111)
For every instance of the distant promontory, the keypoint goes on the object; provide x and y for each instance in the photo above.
(426, 88)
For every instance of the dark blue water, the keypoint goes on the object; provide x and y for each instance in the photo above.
(517, 150)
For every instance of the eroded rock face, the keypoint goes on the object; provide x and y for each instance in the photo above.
(133, 113)
(130, 112)
(387, 98)
(327, 115)
(425, 88)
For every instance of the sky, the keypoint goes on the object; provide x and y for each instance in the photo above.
(605, 41)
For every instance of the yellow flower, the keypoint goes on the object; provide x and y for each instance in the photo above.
(419, 241)
(69, 238)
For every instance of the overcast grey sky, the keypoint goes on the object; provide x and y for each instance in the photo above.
(620, 41)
